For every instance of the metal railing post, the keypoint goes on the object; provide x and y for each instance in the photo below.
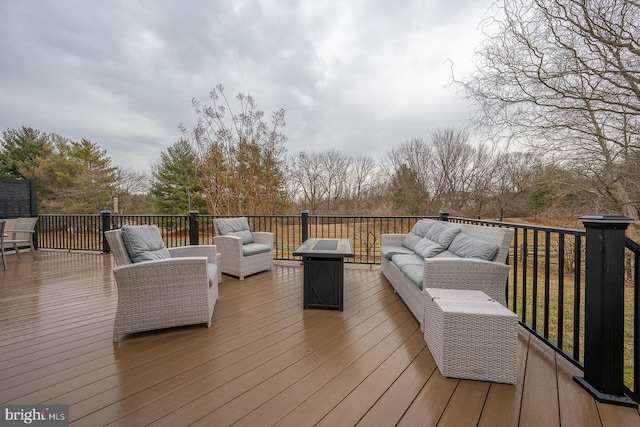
(604, 309)
(304, 224)
(194, 229)
(33, 207)
(106, 226)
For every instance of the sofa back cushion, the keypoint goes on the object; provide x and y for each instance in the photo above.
(422, 227)
(144, 243)
(442, 233)
(466, 246)
(411, 240)
(416, 234)
(238, 227)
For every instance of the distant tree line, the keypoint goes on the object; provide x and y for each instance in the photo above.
(416, 177)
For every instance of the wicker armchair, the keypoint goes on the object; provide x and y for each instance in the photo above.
(244, 252)
(163, 293)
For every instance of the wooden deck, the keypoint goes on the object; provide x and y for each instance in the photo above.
(264, 361)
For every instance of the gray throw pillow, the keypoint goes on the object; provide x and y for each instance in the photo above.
(144, 243)
(238, 227)
(466, 246)
(428, 248)
(411, 240)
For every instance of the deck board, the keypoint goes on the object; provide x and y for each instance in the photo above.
(540, 391)
(395, 401)
(502, 407)
(264, 361)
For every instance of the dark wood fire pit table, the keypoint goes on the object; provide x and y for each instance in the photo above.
(323, 262)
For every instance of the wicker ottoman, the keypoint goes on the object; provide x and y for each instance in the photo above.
(471, 336)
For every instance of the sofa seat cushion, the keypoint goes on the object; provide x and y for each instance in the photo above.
(466, 246)
(212, 274)
(447, 254)
(388, 251)
(400, 260)
(415, 273)
(235, 227)
(144, 243)
(255, 248)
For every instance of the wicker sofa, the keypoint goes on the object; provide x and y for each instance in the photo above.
(438, 254)
(159, 287)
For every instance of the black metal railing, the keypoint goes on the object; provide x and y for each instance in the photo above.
(547, 286)
(546, 283)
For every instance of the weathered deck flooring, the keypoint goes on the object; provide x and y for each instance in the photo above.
(265, 361)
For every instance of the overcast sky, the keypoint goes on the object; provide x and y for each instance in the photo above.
(352, 75)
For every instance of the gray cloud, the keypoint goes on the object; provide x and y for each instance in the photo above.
(357, 76)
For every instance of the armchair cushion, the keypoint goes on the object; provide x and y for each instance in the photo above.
(144, 243)
(255, 248)
(235, 227)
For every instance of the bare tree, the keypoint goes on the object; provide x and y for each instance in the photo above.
(306, 175)
(564, 76)
(132, 188)
(361, 181)
(240, 156)
(454, 167)
(409, 169)
(336, 168)
(512, 181)
(329, 181)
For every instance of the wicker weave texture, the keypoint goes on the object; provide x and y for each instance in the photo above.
(233, 261)
(411, 295)
(471, 336)
(162, 293)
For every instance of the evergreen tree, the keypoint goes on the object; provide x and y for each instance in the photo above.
(77, 177)
(175, 185)
(20, 150)
(408, 195)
